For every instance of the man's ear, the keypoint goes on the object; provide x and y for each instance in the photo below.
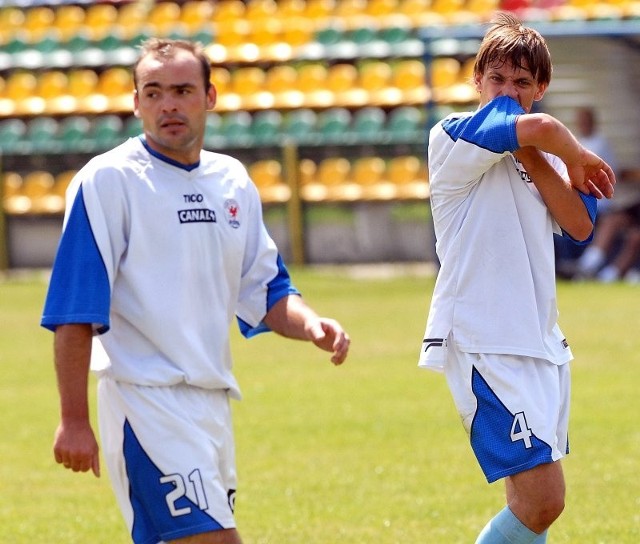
(212, 97)
(542, 88)
(136, 101)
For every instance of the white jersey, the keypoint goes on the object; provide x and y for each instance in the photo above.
(495, 291)
(159, 257)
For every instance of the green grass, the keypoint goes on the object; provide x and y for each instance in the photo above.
(371, 452)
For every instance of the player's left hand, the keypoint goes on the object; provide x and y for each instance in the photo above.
(329, 335)
(592, 176)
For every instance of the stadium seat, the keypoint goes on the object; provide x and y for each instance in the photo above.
(247, 84)
(213, 137)
(265, 127)
(196, 15)
(132, 127)
(267, 175)
(228, 10)
(405, 123)
(12, 133)
(408, 174)
(410, 77)
(37, 186)
(164, 18)
(342, 83)
(299, 125)
(74, 134)
(328, 180)
(106, 132)
(333, 125)
(20, 87)
(69, 20)
(100, 20)
(116, 85)
(368, 124)
(368, 173)
(236, 128)
(37, 22)
(375, 77)
(311, 83)
(13, 200)
(42, 134)
(281, 81)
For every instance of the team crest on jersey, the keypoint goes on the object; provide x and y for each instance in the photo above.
(232, 211)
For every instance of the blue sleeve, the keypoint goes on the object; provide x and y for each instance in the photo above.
(591, 204)
(279, 287)
(79, 290)
(492, 127)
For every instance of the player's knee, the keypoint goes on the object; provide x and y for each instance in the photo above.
(548, 512)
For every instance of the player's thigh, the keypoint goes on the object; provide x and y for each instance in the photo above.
(227, 536)
(543, 484)
(515, 409)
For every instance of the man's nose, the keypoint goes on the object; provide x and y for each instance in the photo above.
(510, 90)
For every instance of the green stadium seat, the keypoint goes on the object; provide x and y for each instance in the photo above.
(236, 128)
(42, 134)
(299, 125)
(368, 124)
(213, 137)
(132, 127)
(333, 124)
(265, 127)
(106, 132)
(74, 134)
(12, 134)
(405, 123)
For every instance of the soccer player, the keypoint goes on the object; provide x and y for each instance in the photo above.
(162, 244)
(503, 180)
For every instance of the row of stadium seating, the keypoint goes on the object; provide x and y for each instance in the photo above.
(282, 86)
(303, 126)
(331, 179)
(266, 20)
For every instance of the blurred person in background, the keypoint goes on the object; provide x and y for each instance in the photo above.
(503, 181)
(162, 244)
(588, 133)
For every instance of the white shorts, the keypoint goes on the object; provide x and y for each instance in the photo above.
(515, 409)
(170, 456)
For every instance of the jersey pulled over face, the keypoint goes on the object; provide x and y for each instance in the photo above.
(503, 78)
(172, 102)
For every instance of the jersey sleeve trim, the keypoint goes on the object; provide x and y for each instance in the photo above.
(486, 127)
(591, 204)
(79, 289)
(278, 288)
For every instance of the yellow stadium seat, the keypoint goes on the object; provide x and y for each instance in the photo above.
(228, 11)
(248, 85)
(311, 82)
(37, 186)
(267, 175)
(342, 83)
(196, 14)
(132, 19)
(164, 18)
(37, 22)
(116, 85)
(101, 20)
(13, 200)
(69, 20)
(281, 81)
(334, 175)
(369, 174)
(375, 78)
(410, 77)
(408, 174)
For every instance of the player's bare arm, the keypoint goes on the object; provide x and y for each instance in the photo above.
(587, 171)
(75, 445)
(560, 197)
(293, 318)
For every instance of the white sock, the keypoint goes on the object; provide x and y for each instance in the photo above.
(608, 274)
(591, 260)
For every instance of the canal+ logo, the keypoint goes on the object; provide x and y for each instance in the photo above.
(196, 215)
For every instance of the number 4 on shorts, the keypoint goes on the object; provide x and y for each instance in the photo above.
(520, 430)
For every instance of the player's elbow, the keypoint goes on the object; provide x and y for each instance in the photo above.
(580, 229)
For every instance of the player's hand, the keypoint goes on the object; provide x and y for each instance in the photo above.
(328, 335)
(592, 176)
(75, 447)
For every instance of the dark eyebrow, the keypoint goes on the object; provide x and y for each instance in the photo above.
(174, 86)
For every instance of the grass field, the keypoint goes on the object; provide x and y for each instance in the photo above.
(369, 453)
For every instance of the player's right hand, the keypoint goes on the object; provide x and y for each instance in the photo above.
(75, 447)
(592, 175)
